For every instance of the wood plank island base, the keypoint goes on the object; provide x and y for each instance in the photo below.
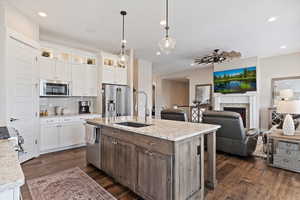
(164, 160)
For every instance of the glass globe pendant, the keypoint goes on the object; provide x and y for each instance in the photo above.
(167, 44)
(122, 57)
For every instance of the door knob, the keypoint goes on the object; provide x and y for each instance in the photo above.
(13, 119)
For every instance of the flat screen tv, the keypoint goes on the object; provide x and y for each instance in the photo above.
(235, 80)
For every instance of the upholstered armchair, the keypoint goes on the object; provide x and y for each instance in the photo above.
(232, 137)
(174, 114)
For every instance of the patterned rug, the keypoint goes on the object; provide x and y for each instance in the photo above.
(71, 184)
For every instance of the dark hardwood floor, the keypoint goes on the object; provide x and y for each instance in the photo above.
(238, 178)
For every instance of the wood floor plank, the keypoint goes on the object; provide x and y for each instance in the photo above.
(238, 178)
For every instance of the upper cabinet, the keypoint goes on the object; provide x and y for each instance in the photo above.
(84, 80)
(91, 80)
(112, 71)
(54, 69)
(67, 65)
(62, 70)
(47, 68)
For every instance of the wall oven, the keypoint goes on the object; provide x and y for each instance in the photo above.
(54, 88)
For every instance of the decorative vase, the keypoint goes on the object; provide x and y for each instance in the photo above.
(288, 125)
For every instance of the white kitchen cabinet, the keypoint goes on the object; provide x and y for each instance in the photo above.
(63, 71)
(108, 74)
(121, 75)
(49, 137)
(78, 80)
(53, 69)
(60, 133)
(47, 68)
(112, 73)
(72, 134)
(10, 194)
(84, 80)
(91, 80)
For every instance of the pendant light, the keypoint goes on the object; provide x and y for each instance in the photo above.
(167, 44)
(122, 60)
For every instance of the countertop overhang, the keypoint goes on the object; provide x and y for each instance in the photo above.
(11, 174)
(163, 129)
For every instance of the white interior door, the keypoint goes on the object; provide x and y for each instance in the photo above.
(22, 94)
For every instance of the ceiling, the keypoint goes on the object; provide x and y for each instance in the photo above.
(199, 26)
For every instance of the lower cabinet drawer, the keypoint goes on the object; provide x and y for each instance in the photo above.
(286, 162)
(288, 153)
(288, 146)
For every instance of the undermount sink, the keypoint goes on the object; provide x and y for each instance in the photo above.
(133, 124)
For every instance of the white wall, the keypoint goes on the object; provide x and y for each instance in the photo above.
(275, 67)
(20, 23)
(2, 68)
(175, 93)
(198, 77)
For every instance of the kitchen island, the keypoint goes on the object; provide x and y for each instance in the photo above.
(11, 174)
(159, 159)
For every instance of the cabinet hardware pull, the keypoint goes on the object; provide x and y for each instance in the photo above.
(13, 119)
(152, 143)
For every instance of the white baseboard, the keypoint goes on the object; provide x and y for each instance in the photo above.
(62, 149)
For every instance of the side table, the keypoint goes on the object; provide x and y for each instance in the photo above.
(283, 151)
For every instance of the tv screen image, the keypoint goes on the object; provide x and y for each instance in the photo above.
(235, 80)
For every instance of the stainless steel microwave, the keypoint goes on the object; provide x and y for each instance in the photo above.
(54, 88)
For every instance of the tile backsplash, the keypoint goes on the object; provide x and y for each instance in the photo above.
(70, 104)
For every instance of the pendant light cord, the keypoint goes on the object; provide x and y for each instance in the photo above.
(123, 30)
(167, 18)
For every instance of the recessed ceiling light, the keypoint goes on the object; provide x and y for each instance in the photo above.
(272, 19)
(158, 53)
(283, 47)
(192, 64)
(42, 14)
(163, 22)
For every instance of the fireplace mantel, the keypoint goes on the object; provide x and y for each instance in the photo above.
(250, 98)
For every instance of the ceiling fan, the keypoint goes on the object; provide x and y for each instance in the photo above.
(217, 57)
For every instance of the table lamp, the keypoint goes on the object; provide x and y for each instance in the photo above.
(289, 107)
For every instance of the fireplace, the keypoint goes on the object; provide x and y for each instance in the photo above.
(241, 111)
(246, 101)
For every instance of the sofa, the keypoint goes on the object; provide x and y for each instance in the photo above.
(232, 137)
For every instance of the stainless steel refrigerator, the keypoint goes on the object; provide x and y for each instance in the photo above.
(115, 100)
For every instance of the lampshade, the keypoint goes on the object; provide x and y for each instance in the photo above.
(286, 94)
(289, 107)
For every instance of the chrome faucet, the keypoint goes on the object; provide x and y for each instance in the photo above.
(146, 103)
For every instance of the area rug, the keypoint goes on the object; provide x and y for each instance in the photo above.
(71, 184)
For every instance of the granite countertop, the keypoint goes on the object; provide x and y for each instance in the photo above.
(11, 174)
(163, 129)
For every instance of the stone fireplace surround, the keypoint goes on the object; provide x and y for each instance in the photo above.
(247, 100)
